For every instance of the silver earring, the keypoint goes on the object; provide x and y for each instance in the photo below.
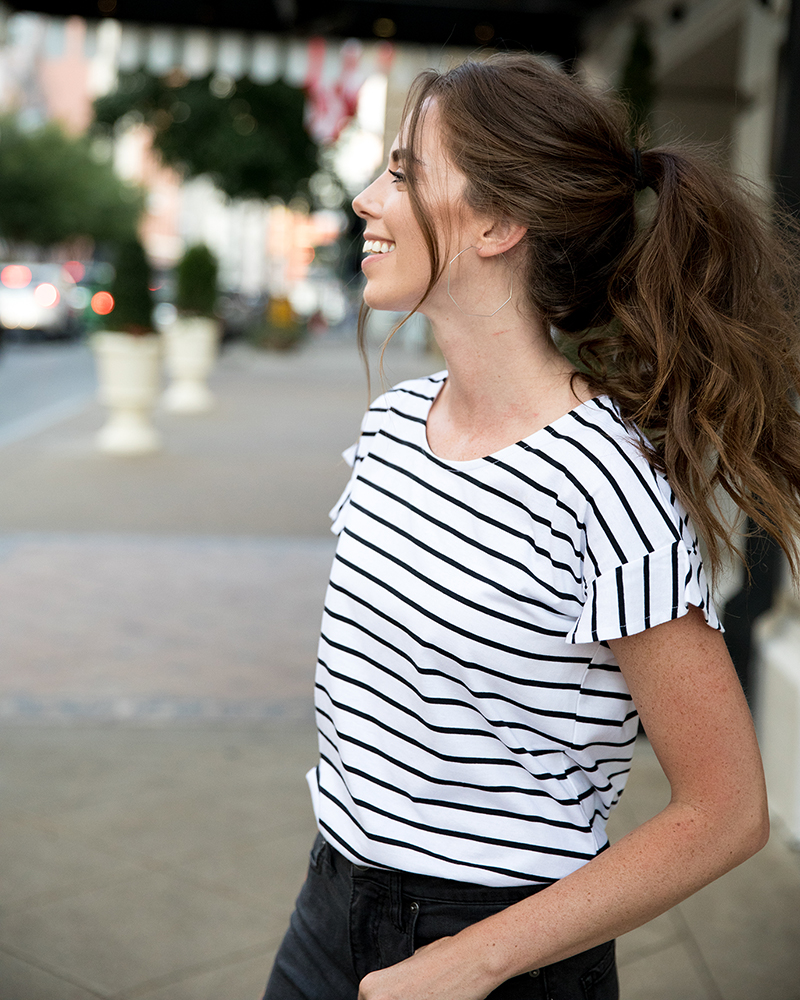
(484, 315)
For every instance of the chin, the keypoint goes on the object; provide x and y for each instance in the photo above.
(388, 303)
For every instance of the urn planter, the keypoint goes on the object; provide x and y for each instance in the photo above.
(129, 376)
(190, 350)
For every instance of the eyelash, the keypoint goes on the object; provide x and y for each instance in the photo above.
(399, 178)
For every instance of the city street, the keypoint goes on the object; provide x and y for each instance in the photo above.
(158, 620)
(41, 384)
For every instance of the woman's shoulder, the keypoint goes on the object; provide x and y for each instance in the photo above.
(597, 430)
(604, 458)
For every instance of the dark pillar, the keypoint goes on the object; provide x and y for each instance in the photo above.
(764, 555)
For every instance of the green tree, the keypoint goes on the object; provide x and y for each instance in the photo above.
(53, 188)
(248, 137)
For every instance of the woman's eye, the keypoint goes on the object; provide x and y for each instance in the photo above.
(399, 177)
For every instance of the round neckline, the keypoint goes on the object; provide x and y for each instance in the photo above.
(471, 463)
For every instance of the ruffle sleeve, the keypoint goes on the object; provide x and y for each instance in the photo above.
(337, 512)
(637, 595)
(354, 456)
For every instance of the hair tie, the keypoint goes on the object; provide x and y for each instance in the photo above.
(638, 172)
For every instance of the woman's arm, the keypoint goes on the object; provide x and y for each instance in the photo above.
(690, 701)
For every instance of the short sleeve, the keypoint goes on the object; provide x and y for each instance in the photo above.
(637, 595)
(336, 514)
(354, 456)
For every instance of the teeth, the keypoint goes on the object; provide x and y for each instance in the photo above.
(377, 246)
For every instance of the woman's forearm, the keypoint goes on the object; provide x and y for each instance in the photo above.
(654, 867)
(647, 872)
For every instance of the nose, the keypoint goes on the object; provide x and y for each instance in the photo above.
(366, 204)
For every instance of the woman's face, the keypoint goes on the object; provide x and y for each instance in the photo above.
(396, 264)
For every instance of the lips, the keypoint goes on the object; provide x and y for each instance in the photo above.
(378, 246)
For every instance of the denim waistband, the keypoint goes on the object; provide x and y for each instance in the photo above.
(424, 886)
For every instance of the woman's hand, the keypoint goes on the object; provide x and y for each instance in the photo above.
(437, 971)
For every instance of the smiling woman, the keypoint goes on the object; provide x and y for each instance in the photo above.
(518, 577)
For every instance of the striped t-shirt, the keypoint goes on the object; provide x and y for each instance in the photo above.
(473, 723)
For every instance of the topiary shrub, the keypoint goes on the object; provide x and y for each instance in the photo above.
(133, 300)
(196, 275)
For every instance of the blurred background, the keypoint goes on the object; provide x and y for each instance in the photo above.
(179, 289)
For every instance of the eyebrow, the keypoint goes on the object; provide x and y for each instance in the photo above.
(398, 155)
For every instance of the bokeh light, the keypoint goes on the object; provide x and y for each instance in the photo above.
(16, 276)
(102, 303)
(46, 295)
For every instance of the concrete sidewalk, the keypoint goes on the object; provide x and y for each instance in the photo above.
(158, 623)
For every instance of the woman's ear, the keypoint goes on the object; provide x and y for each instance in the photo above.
(499, 237)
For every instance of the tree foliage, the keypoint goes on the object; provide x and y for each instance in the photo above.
(248, 137)
(53, 188)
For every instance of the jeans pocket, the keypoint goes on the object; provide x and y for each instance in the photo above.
(315, 859)
(600, 982)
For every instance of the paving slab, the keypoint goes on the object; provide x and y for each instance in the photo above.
(125, 626)
(149, 856)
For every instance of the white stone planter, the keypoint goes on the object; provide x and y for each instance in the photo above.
(777, 637)
(190, 350)
(129, 375)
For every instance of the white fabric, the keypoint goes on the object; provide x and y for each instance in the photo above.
(473, 723)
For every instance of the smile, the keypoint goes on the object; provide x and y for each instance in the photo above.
(378, 246)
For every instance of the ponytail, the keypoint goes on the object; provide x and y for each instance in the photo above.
(704, 353)
(690, 322)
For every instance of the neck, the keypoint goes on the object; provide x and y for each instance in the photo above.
(506, 379)
(499, 362)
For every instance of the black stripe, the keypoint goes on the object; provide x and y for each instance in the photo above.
(522, 598)
(457, 834)
(407, 416)
(525, 653)
(458, 473)
(675, 580)
(472, 541)
(651, 488)
(480, 810)
(510, 872)
(458, 598)
(410, 392)
(455, 679)
(403, 765)
(633, 519)
(621, 601)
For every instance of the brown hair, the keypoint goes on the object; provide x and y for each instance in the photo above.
(689, 322)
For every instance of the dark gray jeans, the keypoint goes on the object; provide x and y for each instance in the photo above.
(350, 921)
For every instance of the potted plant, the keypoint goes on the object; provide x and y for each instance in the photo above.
(128, 356)
(278, 328)
(191, 340)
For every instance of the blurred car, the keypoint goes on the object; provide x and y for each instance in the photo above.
(36, 299)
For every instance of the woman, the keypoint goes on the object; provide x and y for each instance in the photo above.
(517, 579)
